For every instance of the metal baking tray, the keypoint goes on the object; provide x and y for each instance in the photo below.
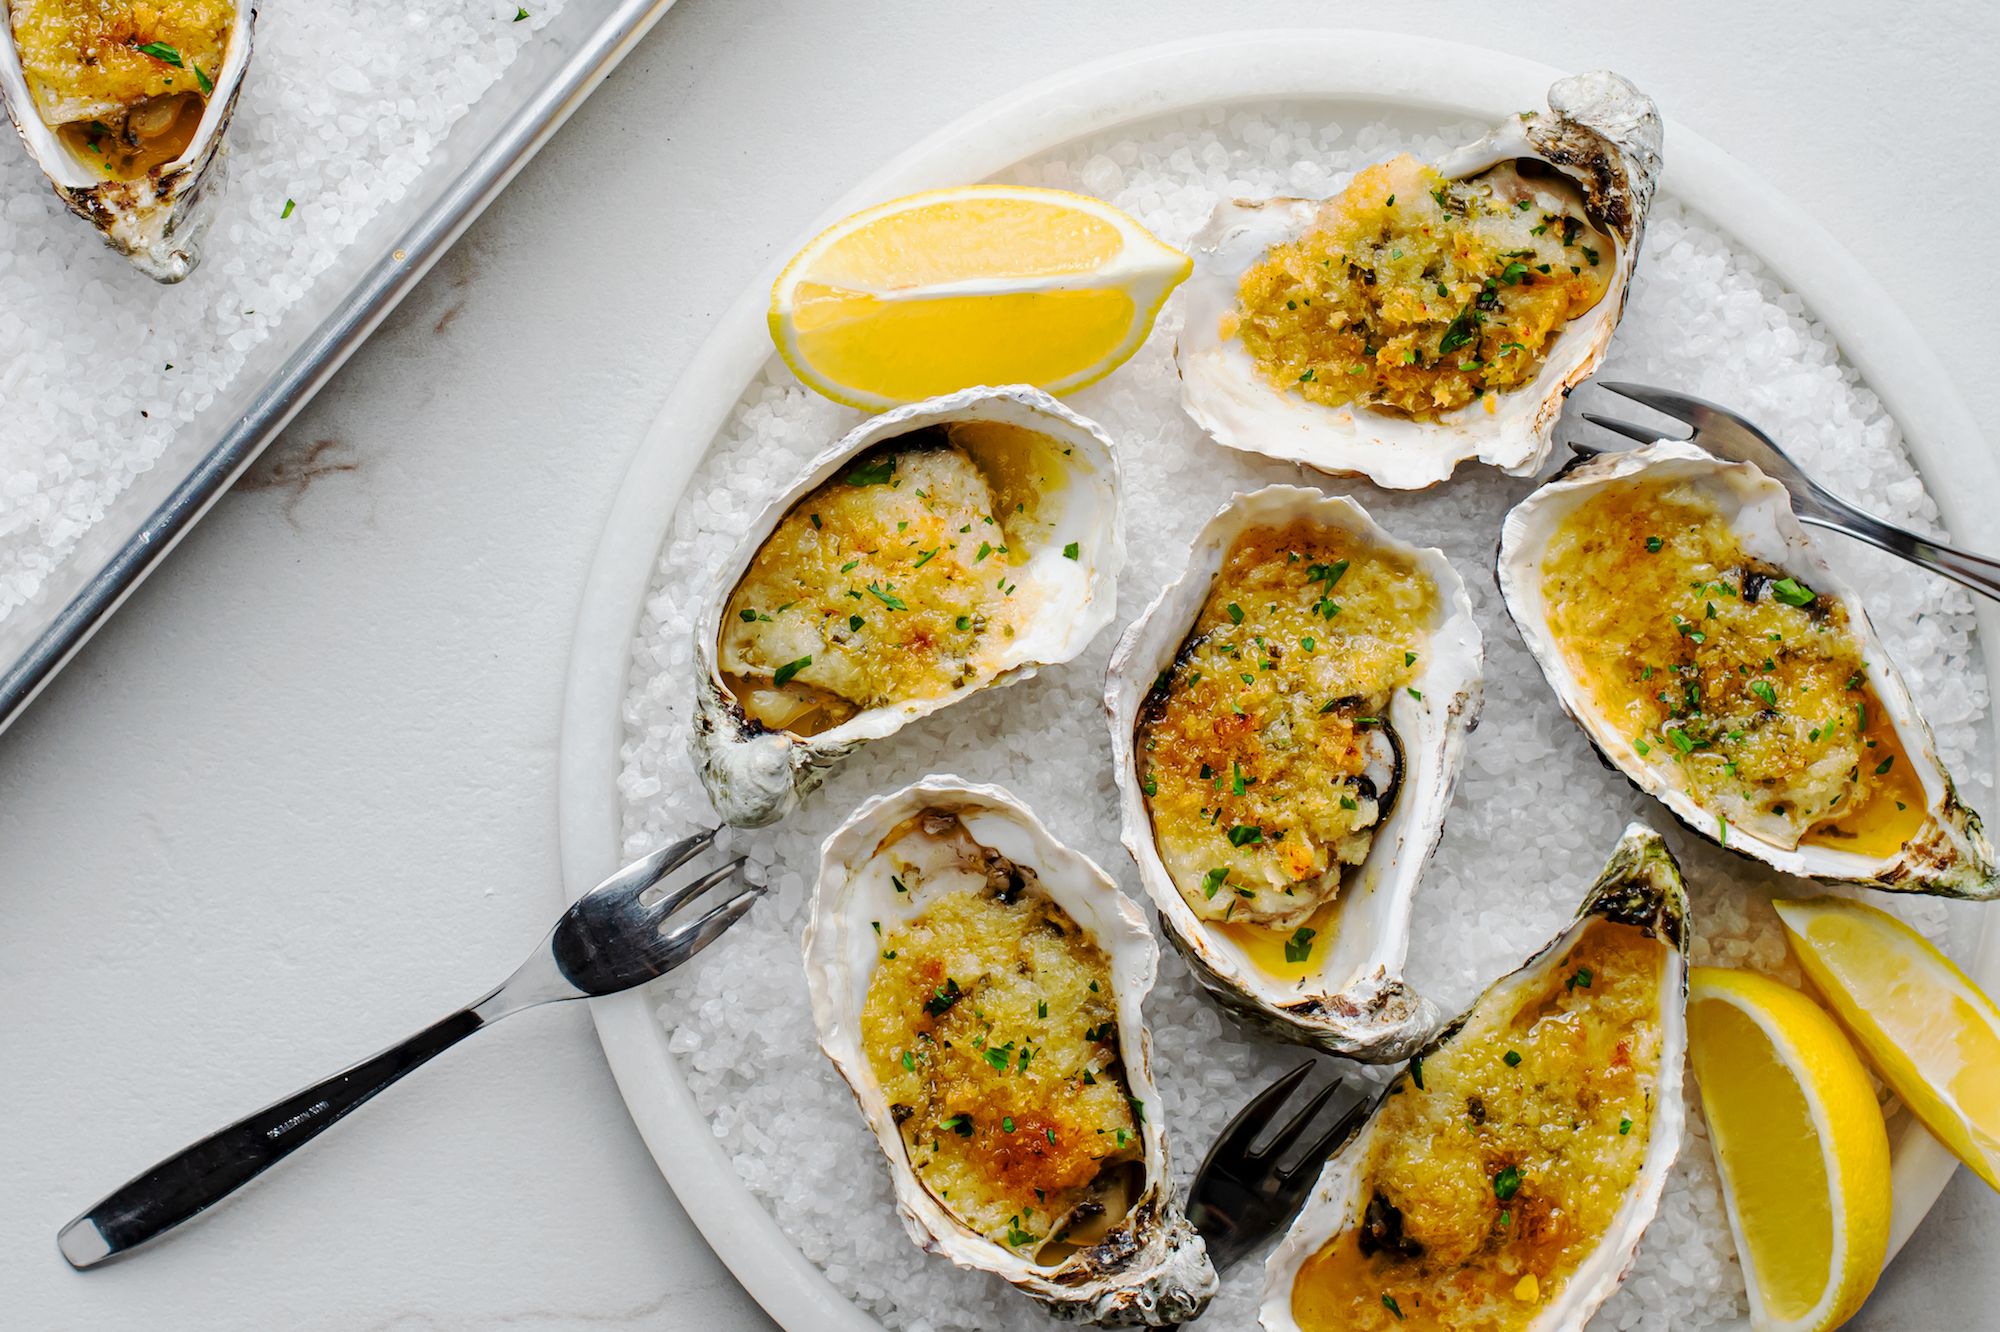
(506, 127)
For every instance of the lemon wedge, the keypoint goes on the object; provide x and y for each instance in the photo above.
(980, 284)
(1929, 1031)
(1801, 1144)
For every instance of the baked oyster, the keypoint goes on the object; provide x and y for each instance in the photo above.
(1685, 621)
(1287, 721)
(1503, 1180)
(1427, 314)
(978, 985)
(124, 107)
(938, 549)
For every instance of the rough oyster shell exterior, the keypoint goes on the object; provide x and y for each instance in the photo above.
(1357, 1004)
(1641, 886)
(1152, 1269)
(1601, 133)
(1949, 857)
(755, 775)
(158, 221)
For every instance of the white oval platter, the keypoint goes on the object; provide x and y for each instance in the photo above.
(1385, 71)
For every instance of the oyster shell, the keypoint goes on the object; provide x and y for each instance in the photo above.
(1751, 746)
(156, 212)
(1449, 1168)
(936, 865)
(1600, 144)
(774, 733)
(1348, 995)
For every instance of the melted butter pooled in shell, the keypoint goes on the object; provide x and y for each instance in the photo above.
(1491, 1183)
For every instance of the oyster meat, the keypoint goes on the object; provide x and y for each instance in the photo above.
(1287, 721)
(1503, 1180)
(1685, 621)
(1427, 314)
(124, 107)
(936, 550)
(978, 985)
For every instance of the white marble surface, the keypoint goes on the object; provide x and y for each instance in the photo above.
(297, 799)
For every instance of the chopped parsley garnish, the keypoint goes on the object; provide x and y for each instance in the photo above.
(1299, 947)
(289, 206)
(1460, 331)
(943, 998)
(959, 1124)
(1512, 1058)
(1653, 544)
(1885, 765)
(1235, 613)
(1389, 1303)
(520, 14)
(1071, 551)
(783, 675)
(925, 557)
(1507, 1183)
(887, 597)
(1624, 1125)
(1417, 1071)
(1211, 882)
(1583, 977)
(1792, 592)
(163, 53)
(201, 78)
(1764, 692)
(985, 549)
(876, 473)
(855, 622)
(1245, 834)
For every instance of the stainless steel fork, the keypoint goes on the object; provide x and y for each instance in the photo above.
(614, 937)
(1728, 435)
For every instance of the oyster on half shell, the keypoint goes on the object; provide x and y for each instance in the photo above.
(1504, 1179)
(978, 985)
(1287, 721)
(936, 550)
(1687, 623)
(1455, 305)
(124, 109)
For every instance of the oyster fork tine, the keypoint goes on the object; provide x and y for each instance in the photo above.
(1284, 1138)
(676, 898)
(1242, 1195)
(1638, 434)
(609, 940)
(1687, 410)
(1736, 438)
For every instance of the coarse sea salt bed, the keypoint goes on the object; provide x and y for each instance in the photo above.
(100, 366)
(1534, 815)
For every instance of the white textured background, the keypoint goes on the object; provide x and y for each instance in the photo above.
(297, 799)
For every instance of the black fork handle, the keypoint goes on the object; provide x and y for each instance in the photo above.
(199, 1176)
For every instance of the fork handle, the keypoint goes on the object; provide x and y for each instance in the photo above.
(196, 1177)
(1978, 572)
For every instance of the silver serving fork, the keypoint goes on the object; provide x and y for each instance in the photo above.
(1728, 435)
(614, 937)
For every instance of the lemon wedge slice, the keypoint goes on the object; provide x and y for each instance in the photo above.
(1930, 1032)
(1801, 1144)
(980, 284)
